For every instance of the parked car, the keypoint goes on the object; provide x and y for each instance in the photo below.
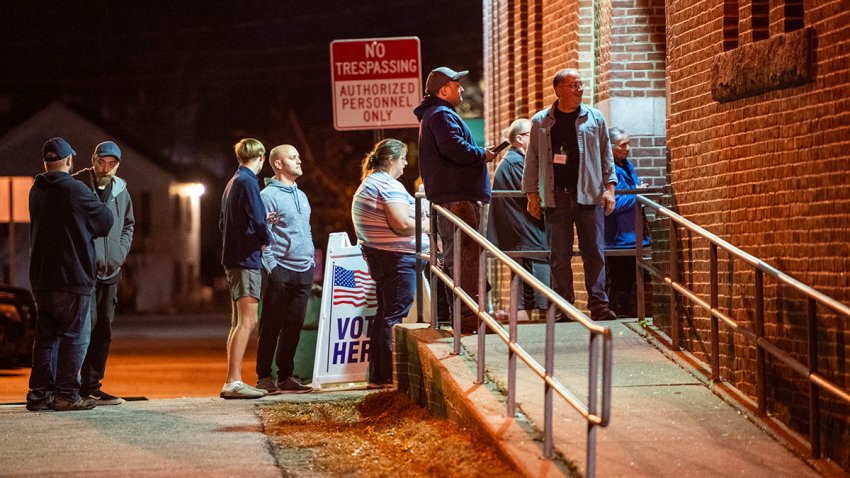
(17, 326)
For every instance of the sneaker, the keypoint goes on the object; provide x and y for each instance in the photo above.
(241, 390)
(293, 385)
(63, 404)
(40, 405)
(268, 384)
(602, 313)
(103, 398)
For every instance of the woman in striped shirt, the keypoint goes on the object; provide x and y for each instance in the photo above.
(385, 223)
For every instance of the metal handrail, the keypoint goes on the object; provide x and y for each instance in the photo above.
(764, 344)
(600, 337)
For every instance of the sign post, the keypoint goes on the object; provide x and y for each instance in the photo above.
(376, 83)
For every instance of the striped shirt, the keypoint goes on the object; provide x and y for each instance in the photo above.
(368, 211)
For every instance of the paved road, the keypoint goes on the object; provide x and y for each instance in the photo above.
(158, 356)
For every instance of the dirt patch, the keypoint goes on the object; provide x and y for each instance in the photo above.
(381, 434)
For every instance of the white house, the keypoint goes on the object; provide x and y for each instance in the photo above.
(163, 268)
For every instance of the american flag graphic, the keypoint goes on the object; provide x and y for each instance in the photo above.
(354, 288)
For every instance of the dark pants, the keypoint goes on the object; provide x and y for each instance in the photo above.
(102, 315)
(530, 299)
(284, 307)
(622, 285)
(63, 328)
(589, 224)
(470, 213)
(394, 274)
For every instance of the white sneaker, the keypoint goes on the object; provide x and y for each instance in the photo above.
(241, 390)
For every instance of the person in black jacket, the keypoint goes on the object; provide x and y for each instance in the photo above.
(111, 253)
(65, 217)
(244, 233)
(454, 172)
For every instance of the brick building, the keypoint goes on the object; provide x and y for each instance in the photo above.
(750, 99)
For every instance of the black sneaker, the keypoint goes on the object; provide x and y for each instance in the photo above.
(40, 405)
(292, 385)
(602, 313)
(103, 398)
(63, 404)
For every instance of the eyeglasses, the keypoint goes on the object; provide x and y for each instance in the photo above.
(576, 85)
(524, 134)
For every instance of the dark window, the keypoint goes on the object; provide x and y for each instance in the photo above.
(761, 19)
(730, 25)
(793, 15)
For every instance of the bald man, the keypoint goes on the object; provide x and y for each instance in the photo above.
(288, 264)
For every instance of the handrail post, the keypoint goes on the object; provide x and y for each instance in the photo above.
(674, 277)
(715, 333)
(456, 267)
(814, 390)
(759, 326)
(547, 389)
(641, 307)
(419, 288)
(435, 299)
(516, 286)
(482, 297)
(592, 409)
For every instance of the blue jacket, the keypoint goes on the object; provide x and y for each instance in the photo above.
(243, 222)
(452, 166)
(620, 225)
(65, 217)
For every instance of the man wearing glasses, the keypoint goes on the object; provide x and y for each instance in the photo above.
(570, 164)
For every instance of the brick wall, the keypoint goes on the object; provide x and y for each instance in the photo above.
(766, 172)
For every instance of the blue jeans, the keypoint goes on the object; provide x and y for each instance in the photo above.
(63, 330)
(394, 274)
(589, 224)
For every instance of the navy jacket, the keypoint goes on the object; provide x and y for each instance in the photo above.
(452, 166)
(510, 226)
(620, 224)
(65, 217)
(243, 222)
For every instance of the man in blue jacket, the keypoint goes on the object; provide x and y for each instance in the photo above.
(111, 253)
(65, 217)
(454, 173)
(244, 234)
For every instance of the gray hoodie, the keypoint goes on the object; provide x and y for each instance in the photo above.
(291, 239)
(112, 250)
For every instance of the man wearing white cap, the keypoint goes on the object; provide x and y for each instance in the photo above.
(454, 172)
(111, 253)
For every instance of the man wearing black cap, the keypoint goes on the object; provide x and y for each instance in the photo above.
(65, 217)
(111, 253)
(454, 172)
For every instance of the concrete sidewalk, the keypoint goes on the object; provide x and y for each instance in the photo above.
(190, 437)
(664, 422)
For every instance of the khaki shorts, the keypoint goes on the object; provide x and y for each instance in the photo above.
(244, 283)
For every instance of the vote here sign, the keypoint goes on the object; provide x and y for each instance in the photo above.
(376, 83)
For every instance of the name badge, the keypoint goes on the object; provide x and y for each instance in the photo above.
(560, 159)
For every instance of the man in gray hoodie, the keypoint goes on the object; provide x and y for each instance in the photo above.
(288, 262)
(111, 252)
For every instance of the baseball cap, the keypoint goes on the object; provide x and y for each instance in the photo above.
(440, 76)
(108, 148)
(55, 149)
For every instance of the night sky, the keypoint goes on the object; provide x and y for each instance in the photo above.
(188, 79)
